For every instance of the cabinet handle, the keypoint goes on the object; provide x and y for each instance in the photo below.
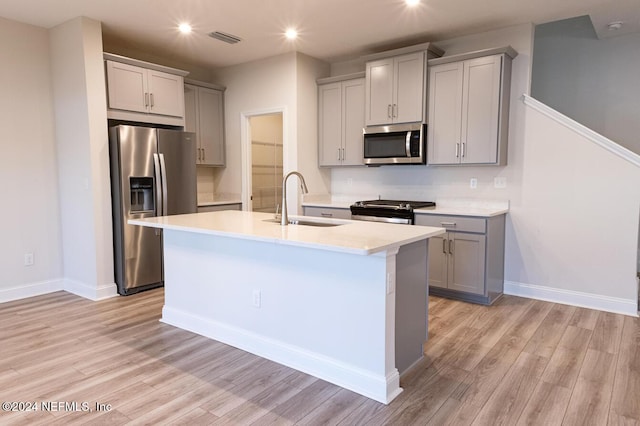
(204, 154)
(462, 152)
(343, 154)
(338, 154)
(146, 100)
(444, 245)
(451, 247)
(389, 110)
(395, 110)
(151, 97)
(457, 150)
(326, 214)
(448, 224)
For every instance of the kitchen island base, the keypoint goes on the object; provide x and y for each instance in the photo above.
(326, 313)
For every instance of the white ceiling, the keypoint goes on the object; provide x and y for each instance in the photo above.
(329, 29)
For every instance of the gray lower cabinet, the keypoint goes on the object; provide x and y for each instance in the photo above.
(330, 212)
(220, 207)
(467, 262)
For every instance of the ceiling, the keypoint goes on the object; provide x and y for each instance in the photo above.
(330, 30)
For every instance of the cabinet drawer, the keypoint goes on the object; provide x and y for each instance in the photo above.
(335, 213)
(453, 223)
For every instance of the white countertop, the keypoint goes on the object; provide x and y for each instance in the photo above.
(463, 211)
(218, 203)
(328, 204)
(328, 201)
(205, 200)
(355, 237)
(453, 207)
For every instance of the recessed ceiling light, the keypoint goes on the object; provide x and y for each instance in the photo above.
(184, 28)
(412, 2)
(291, 34)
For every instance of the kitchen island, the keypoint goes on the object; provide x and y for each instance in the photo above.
(345, 301)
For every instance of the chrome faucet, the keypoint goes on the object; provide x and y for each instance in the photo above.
(284, 219)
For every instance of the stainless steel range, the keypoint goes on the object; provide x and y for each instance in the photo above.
(389, 211)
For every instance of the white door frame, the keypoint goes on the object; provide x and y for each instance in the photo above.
(245, 146)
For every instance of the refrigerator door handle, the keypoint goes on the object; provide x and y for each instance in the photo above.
(163, 169)
(156, 175)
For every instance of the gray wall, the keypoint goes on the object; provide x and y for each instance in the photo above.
(595, 82)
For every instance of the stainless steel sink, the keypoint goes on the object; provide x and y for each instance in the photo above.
(305, 222)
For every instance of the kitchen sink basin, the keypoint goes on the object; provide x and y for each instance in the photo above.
(305, 222)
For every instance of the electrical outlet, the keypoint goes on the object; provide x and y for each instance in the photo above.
(500, 182)
(257, 298)
(28, 259)
(473, 183)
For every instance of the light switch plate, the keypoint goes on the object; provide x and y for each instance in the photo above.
(473, 183)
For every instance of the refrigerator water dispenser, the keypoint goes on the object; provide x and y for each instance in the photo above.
(141, 189)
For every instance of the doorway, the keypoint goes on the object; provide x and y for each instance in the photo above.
(265, 134)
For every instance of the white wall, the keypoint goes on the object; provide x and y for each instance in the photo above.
(560, 239)
(29, 219)
(83, 157)
(593, 81)
(269, 85)
(575, 226)
(308, 71)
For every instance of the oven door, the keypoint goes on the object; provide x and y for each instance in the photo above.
(400, 220)
(381, 214)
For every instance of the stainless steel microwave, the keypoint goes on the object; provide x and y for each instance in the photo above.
(395, 144)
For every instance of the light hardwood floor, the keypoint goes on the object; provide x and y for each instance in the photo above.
(518, 362)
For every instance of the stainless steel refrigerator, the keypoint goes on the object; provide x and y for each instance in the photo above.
(153, 173)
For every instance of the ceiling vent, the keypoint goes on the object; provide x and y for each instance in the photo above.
(227, 38)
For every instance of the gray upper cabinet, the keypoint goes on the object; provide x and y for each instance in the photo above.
(204, 115)
(469, 108)
(140, 91)
(395, 89)
(340, 122)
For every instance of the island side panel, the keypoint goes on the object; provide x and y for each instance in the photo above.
(412, 301)
(322, 312)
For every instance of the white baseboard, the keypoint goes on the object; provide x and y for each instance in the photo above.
(30, 290)
(574, 298)
(89, 292)
(380, 388)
